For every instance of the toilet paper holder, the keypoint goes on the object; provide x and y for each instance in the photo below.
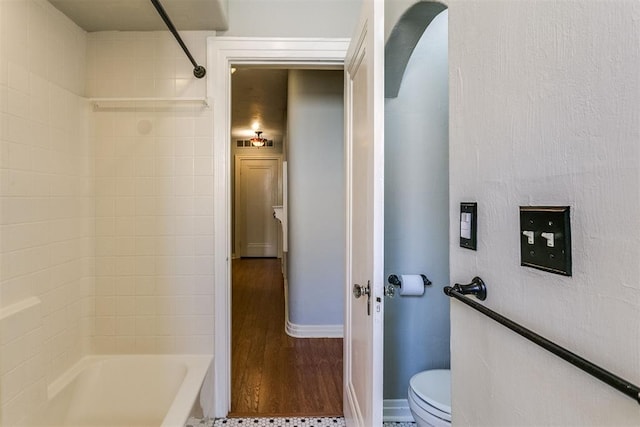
(395, 282)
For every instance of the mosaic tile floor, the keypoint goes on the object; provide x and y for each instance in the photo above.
(278, 422)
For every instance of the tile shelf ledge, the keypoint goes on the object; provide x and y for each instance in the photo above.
(103, 102)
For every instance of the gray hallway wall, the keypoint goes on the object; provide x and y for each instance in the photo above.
(316, 197)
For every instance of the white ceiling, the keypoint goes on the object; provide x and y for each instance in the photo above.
(258, 95)
(141, 15)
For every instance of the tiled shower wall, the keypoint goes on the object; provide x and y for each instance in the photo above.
(46, 202)
(154, 196)
(139, 176)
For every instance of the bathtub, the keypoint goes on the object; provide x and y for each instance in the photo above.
(118, 391)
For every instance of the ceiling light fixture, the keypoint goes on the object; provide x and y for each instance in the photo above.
(258, 140)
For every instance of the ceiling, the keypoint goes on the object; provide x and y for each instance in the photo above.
(258, 95)
(141, 15)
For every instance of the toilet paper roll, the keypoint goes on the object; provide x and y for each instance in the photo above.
(412, 285)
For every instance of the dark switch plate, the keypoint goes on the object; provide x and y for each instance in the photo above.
(545, 238)
(469, 225)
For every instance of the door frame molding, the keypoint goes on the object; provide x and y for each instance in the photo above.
(309, 53)
(238, 159)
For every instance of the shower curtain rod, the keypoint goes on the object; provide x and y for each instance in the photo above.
(199, 71)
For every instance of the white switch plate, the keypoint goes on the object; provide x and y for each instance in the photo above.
(468, 225)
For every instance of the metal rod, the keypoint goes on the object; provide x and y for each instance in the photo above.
(395, 280)
(603, 375)
(199, 71)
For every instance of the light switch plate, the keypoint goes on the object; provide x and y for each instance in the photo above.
(545, 238)
(468, 225)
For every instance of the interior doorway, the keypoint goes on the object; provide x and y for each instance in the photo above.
(417, 103)
(222, 53)
(286, 358)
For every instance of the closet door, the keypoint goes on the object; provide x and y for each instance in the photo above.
(257, 188)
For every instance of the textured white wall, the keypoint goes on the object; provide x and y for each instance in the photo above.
(316, 197)
(46, 203)
(544, 111)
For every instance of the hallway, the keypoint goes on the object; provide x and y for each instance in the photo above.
(273, 373)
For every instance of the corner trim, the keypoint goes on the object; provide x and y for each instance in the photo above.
(314, 331)
(307, 331)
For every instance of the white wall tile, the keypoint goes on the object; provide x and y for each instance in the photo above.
(126, 326)
(124, 207)
(125, 345)
(125, 306)
(105, 325)
(153, 170)
(105, 305)
(145, 266)
(145, 325)
(146, 344)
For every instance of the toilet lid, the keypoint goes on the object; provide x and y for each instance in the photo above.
(434, 387)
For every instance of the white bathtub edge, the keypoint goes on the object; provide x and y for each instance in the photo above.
(186, 396)
(66, 377)
(188, 393)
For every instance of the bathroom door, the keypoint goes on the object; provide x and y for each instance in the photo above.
(257, 192)
(364, 133)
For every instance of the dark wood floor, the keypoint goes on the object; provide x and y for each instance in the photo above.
(272, 373)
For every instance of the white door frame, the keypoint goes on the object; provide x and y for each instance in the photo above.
(238, 164)
(328, 53)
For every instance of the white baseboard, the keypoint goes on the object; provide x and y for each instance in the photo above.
(308, 331)
(314, 331)
(396, 410)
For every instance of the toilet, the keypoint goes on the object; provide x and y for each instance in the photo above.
(430, 398)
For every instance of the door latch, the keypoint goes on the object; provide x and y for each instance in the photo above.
(359, 290)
